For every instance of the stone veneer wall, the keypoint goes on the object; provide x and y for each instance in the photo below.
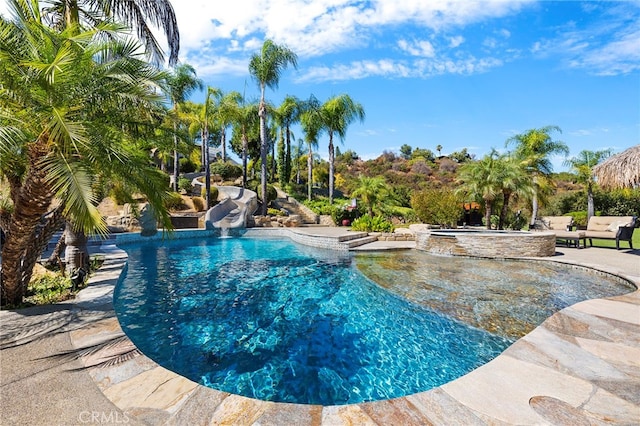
(320, 241)
(488, 244)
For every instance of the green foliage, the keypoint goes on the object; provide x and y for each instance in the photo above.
(438, 206)
(425, 154)
(173, 201)
(48, 289)
(275, 212)
(461, 156)
(367, 223)
(187, 166)
(213, 194)
(198, 203)
(184, 184)
(404, 214)
(621, 202)
(579, 218)
(515, 221)
(120, 194)
(227, 170)
(283, 178)
(272, 193)
(406, 151)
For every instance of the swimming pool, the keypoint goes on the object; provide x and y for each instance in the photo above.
(276, 321)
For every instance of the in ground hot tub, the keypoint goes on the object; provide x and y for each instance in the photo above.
(486, 243)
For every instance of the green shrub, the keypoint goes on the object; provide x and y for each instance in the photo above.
(186, 165)
(173, 201)
(580, 218)
(275, 212)
(367, 223)
(198, 203)
(227, 170)
(48, 289)
(184, 184)
(213, 194)
(272, 193)
(120, 194)
(438, 206)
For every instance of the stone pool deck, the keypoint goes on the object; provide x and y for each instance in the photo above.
(581, 366)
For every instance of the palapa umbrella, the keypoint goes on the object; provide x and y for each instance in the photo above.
(621, 170)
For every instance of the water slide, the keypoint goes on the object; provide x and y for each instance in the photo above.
(233, 210)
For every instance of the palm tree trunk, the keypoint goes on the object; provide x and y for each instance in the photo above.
(287, 156)
(488, 210)
(32, 201)
(331, 166)
(175, 157)
(590, 203)
(505, 209)
(534, 209)
(245, 147)
(262, 112)
(76, 253)
(223, 145)
(207, 171)
(310, 172)
(203, 146)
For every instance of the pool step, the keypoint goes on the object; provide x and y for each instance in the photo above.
(351, 235)
(357, 242)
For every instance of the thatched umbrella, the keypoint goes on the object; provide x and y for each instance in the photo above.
(621, 170)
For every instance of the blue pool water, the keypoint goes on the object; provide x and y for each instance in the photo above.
(276, 321)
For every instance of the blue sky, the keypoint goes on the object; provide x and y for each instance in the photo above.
(455, 73)
(460, 74)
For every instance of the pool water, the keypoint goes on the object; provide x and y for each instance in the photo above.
(276, 321)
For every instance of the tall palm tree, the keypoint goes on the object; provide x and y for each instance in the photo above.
(245, 140)
(583, 165)
(63, 125)
(534, 147)
(481, 181)
(136, 14)
(180, 84)
(266, 68)
(287, 114)
(311, 121)
(227, 112)
(337, 114)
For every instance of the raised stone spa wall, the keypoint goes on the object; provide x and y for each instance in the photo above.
(487, 244)
(306, 239)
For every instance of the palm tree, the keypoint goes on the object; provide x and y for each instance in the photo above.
(583, 165)
(481, 181)
(439, 149)
(370, 190)
(227, 112)
(266, 68)
(534, 148)
(513, 180)
(181, 83)
(64, 125)
(287, 114)
(134, 13)
(311, 121)
(337, 113)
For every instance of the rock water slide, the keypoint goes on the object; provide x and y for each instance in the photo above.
(234, 210)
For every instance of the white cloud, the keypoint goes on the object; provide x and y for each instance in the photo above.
(317, 27)
(455, 41)
(421, 68)
(608, 46)
(417, 48)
